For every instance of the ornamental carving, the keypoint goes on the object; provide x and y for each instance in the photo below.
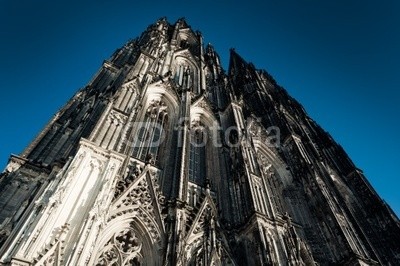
(122, 249)
(132, 173)
(116, 118)
(156, 107)
(144, 200)
(265, 165)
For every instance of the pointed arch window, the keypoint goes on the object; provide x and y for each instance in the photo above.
(150, 132)
(179, 75)
(197, 159)
(183, 76)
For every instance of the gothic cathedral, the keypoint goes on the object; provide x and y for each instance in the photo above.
(165, 159)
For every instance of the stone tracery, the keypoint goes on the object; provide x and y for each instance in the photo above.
(124, 248)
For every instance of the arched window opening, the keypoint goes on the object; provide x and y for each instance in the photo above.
(187, 75)
(197, 159)
(184, 77)
(151, 132)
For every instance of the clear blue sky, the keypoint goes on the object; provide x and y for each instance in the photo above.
(340, 59)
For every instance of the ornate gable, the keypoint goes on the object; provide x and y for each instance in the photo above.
(53, 253)
(201, 110)
(51, 257)
(203, 103)
(143, 200)
(206, 212)
(205, 242)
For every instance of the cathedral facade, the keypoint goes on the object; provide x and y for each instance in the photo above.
(166, 159)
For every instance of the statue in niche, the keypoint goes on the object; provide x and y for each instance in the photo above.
(293, 240)
(150, 159)
(266, 166)
(136, 170)
(267, 169)
(131, 174)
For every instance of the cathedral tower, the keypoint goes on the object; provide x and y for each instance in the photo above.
(166, 159)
